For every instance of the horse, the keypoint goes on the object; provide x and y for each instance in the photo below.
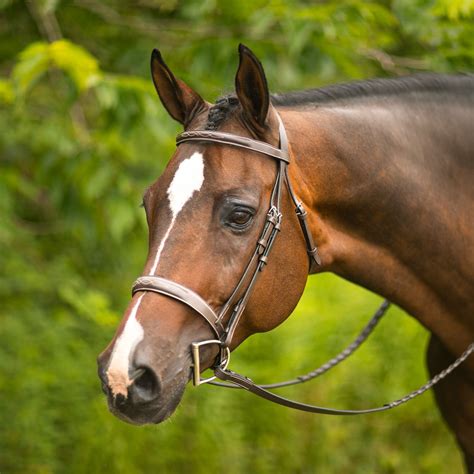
(382, 170)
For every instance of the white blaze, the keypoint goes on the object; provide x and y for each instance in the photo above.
(188, 179)
(132, 334)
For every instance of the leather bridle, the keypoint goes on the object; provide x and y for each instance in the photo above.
(224, 323)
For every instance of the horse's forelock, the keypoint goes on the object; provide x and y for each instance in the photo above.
(221, 110)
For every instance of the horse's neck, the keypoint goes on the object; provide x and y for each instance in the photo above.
(391, 200)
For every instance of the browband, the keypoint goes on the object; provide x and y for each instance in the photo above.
(235, 140)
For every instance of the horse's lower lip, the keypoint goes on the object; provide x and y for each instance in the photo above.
(140, 415)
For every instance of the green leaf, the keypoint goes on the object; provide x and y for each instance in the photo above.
(6, 91)
(74, 60)
(33, 63)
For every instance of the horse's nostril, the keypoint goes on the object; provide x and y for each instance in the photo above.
(146, 386)
(119, 400)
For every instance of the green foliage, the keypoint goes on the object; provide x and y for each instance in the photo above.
(83, 134)
(39, 58)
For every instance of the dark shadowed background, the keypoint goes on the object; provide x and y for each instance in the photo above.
(82, 134)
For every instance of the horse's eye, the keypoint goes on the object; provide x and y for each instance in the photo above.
(240, 219)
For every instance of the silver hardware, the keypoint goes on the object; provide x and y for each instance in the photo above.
(195, 348)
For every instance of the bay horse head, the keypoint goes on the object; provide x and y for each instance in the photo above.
(205, 215)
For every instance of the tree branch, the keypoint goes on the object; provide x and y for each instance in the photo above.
(49, 28)
(394, 64)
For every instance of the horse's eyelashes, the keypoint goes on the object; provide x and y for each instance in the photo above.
(238, 218)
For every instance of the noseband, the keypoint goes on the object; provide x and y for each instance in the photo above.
(237, 302)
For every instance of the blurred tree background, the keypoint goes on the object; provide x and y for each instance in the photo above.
(82, 134)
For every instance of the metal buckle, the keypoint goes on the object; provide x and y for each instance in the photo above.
(273, 214)
(195, 347)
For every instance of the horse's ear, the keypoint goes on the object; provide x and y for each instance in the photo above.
(252, 89)
(181, 102)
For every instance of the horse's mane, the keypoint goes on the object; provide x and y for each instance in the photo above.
(459, 85)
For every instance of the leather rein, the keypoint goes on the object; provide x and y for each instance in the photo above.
(236, 303)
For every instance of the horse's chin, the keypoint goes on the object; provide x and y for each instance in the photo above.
(154, 412)
(144, 417)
